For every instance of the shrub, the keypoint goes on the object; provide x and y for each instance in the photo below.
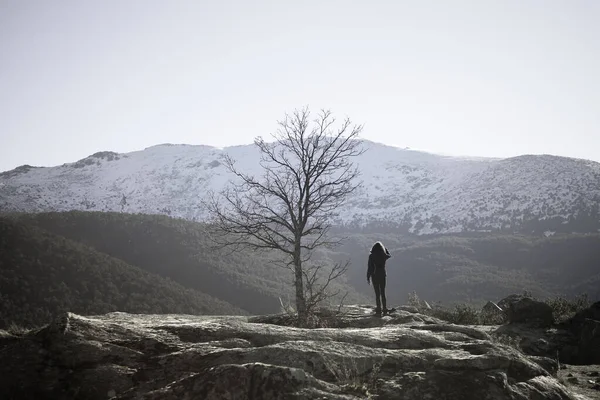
(460, 314)
(508, 340)
(466, 314)
(563, 308)
(413, 299)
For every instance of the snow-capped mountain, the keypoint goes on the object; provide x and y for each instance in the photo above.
(420, 192)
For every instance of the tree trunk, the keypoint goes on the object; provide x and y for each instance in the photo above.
(299, 282)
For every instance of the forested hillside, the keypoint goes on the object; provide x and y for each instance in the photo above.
(42, 274)
(480, 267)
(180, 250)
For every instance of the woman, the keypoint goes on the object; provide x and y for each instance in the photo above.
(376, 270)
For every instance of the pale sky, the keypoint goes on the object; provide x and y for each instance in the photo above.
(483, 78)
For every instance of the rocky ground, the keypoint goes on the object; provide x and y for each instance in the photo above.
(405, 356)
(581, 379)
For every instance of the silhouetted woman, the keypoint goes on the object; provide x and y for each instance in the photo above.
(376, 272)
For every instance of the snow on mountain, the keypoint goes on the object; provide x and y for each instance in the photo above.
(420, 192)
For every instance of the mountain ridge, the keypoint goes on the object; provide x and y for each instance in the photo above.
(415, 191)
(223, 148)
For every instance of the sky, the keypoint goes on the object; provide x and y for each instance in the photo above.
(479, 78)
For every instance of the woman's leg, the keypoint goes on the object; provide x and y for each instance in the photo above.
(377, 288)
(382, 291)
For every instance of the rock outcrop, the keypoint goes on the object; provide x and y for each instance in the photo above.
(575, 341)
(403, 356)
(584, 330)
(523, 309)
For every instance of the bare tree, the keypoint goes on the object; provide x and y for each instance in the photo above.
(308, 174)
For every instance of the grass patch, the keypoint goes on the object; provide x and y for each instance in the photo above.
(17, 330)
(352, 379)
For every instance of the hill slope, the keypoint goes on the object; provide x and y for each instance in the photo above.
(42, 274)
(419, 192)
(477, 268)
(448, 268)
(179, 250)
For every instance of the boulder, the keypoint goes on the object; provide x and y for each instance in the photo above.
(584, 330)
(405, 355)
(589, 342)
(508, 300)
(525, 310)
(592, 312)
